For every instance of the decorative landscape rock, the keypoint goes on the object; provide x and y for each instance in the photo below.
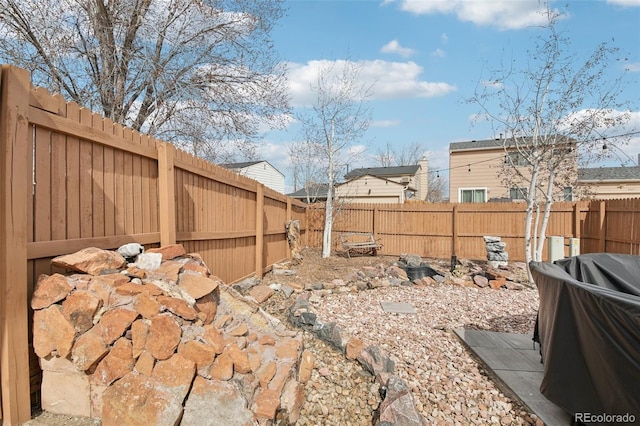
(131, 250)
(398, 407)
(293, 238)
(91, 260)
(497, 256)
(160, 342)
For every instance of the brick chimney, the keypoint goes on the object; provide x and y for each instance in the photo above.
(422, 179)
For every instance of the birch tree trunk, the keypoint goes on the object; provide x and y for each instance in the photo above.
(545, 219)
(328, 210)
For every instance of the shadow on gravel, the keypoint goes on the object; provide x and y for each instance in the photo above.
(521, 324)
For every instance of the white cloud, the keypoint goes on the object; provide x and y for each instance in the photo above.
(276, 154)
(477, 118)
(385, 123)
(495, 84)
(280, 121)
(439, 53)
(503, 14)
(392, 80)
(625, 2)
(394, 47)
(610, 123)
(635, 67)
(444, 38)
(357, 150)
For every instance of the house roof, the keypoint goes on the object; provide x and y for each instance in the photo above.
(489, 144)
(383, 171)
(609, 173)
(241, 165)
(484, 144)
(316, 191)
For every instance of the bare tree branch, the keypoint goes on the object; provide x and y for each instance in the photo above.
(336, 121)
(197, 73)
(550, 114)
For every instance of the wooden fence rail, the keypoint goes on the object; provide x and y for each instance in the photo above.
(444, 230)
(71, 179)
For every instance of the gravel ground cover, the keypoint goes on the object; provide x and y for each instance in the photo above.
(448, 384)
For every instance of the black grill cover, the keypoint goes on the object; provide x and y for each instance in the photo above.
(589, 332)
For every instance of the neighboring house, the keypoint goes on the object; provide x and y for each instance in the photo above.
(373, 189)
(605, 183)
(375, 185)
(386, 184)
(476, 172)
(261, 171)
(316, 193)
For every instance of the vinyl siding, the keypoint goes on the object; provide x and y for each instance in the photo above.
(266, 174)
(478, 169)
(485, 167)
(369, 189)
(612, 189)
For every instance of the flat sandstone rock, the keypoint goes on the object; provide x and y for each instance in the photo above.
(398, 307)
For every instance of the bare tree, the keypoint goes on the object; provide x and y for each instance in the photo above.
(308, 168)
(552, 112)
(438, 187)
(337, 120)
(202, 74)
(400, 155)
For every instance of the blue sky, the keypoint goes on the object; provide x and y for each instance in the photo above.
(428, 56)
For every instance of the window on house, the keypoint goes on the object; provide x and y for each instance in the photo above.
(517, 159)
(518, 193)
(473, 195)
(567, 193)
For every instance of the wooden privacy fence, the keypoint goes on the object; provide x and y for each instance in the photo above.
(70, 179)
(443, 230)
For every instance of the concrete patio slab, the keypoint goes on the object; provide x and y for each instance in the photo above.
(514, 362)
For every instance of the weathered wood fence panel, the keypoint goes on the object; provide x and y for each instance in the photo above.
(612, 226)
(443, 230)
(71, 179)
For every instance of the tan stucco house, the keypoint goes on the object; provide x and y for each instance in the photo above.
(476, 166)
(476, 172)
(605, 183)
(385, 184)
(376, 185)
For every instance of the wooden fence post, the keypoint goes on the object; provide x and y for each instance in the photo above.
(602, 237)
(259, 229)
(166, 194)
(454, 230)
(374, 227)
(576, 219)
(15, 188)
